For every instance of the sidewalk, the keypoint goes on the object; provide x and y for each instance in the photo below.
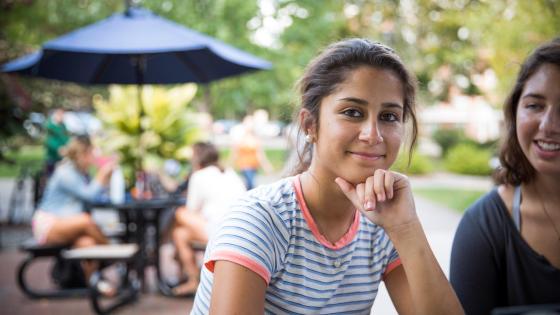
(439, 224)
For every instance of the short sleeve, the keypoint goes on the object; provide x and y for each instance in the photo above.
(473, 272)
(252, 236)
(392, 259)
(393, 262)
(194, 193)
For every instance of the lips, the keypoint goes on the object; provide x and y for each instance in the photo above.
(368, 156)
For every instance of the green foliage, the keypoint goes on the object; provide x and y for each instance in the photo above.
(277, 158)
(163, 128)
(454, 198)
(31, 157)
(425, 32)
(419, 164)
(448, 138)
(468, 159)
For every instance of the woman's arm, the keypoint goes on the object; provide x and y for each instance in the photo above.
(236, 290)
(386, 199)
(75, 185)
(397, 287)
(422, 282)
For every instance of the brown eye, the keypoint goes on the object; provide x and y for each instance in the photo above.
(352, 113)
(391, 117)
(534, 106)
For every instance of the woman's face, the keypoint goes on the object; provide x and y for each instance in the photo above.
(538, 120)
(360, 125)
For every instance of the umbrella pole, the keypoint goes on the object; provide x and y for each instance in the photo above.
(140, 67)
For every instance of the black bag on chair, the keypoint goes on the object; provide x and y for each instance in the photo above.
(68, 274)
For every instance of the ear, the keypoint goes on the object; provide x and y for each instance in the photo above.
(307, 123)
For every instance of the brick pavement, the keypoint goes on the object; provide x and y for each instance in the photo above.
(14, 302)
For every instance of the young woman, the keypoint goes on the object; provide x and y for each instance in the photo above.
(60, 216)
(321, 241)
(210, 192)
(515, 229)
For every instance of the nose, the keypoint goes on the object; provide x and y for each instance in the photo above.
(370, 133)
(550, 122)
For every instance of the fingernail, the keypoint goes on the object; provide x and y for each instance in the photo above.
(369, 205)
(381, 198)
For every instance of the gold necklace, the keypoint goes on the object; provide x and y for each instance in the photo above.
(548, 215)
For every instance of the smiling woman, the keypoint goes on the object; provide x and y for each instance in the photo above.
(323, 240)
(515, 229)
(363, 125)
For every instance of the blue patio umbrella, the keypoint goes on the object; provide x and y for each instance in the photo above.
(135, 47)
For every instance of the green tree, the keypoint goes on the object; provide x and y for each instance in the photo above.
(465, 37)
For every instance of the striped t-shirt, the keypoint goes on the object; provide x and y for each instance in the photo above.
(271, 232)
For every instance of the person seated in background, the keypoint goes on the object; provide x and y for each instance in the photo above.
(60, 217)
(506, 250)
(210, 192)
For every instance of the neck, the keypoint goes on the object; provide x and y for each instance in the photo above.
(324, 199)
(547, 187)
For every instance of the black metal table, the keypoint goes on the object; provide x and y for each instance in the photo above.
(142, 219)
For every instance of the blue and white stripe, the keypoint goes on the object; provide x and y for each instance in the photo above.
(268, 227)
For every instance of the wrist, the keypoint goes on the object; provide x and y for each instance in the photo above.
(405, 231)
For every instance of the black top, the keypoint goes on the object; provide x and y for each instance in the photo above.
(493, 266)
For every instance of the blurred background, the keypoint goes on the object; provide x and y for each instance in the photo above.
(464, 53)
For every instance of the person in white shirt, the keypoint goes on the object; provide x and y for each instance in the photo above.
(211, 190)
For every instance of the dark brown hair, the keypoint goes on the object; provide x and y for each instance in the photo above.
(515, 168)
(207, 154)
(323, 75)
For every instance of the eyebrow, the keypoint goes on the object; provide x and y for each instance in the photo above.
(534, 95)
(363, 102)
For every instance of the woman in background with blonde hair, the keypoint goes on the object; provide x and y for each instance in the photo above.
(60, 217)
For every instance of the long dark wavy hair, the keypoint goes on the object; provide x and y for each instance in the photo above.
(515, 167)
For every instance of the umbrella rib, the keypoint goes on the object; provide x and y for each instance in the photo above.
(189, 65)
(100, 70)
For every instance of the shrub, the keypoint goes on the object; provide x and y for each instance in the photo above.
(468, 159)
(419, 164)
(448, 138)
(164, 128)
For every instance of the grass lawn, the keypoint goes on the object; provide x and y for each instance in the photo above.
(454, 198)
(30, 156)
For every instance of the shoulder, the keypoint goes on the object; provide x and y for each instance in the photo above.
(205, 174)
(276, 201)
(261, 216)
(66, 170)
(272, 194)
(488, 203)
(487, 215)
